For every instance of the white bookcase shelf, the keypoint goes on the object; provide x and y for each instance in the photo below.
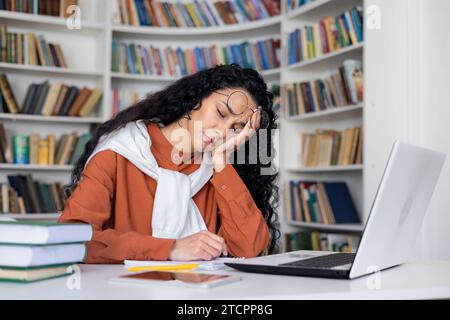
(327, 114)
(305, 9)
(88, 53)
(46, 21)
(35, 167)
(50, 70)
(354, 167)
(325, 57)
(216, 30)
(337, 118)
(41, 118)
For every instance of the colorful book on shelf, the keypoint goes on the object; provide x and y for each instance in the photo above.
(25, 195)
(326, 148)
(137, 59)
(341, 87)
(319, 202)
(32, 149)
(29, 49)
(51, 99)
(327, 35)
(197, 13)
(56, 8)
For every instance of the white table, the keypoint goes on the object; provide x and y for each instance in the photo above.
(417, 280)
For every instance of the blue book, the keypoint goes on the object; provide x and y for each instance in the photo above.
(200, 14)
(198, 58)
(263, 55)
(357, 24)
(130, 59)
(248, 52)
(142, 13)
(181, 61)
(241, 8)
(216, 22)
(258, 9)
(341, 203)
(236, 54)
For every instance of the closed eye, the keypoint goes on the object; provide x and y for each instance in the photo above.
(220, 113)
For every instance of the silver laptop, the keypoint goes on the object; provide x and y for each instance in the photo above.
(397, 212)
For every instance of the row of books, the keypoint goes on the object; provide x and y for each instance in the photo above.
(197, 13)
(32, 251)
(318, 241)
(26, 195)
(123, 98)
(138, 59)
(57, 8)
(339, 88)
(331, 147)
(56, 99)
(29, 49)
(32, 149)
(327, 35)
(319, 201)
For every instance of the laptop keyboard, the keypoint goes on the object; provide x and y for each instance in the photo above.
(325, 261)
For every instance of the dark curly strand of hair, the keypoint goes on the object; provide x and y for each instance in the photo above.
(178, 99)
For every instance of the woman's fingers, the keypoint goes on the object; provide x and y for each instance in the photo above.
(219, 239)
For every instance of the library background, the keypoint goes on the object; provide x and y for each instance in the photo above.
(343, 91)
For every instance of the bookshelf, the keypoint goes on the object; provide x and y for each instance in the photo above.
(337, 118)
(88, 52)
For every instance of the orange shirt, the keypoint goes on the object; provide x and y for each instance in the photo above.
(117, 199)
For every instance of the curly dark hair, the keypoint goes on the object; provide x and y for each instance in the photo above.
(178, 99)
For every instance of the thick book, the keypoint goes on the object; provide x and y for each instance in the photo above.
(22, 256)
(341, 202)
(25, 275)
(39, 233)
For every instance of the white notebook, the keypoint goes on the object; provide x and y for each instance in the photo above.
(211, 265)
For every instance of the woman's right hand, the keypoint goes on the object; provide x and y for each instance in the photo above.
(202, 245)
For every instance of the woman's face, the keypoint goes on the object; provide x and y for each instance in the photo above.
(210, 124)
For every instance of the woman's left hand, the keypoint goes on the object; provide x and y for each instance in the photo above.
(221, 152)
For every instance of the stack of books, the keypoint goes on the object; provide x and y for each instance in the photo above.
(194, 14)
(56, 8)
(331, 148)
(25, 195)
(327, 35)
(319, 202)
(27, 48)
(342, 87)
(32, 251)
(32, 149)
(55, 99)
(313, 240)
(137, 59)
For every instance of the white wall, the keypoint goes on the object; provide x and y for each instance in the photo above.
(429, 117)
(407, 70)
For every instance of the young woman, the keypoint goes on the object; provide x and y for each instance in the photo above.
(156, 180)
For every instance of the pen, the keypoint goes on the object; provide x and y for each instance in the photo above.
(165, 267)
